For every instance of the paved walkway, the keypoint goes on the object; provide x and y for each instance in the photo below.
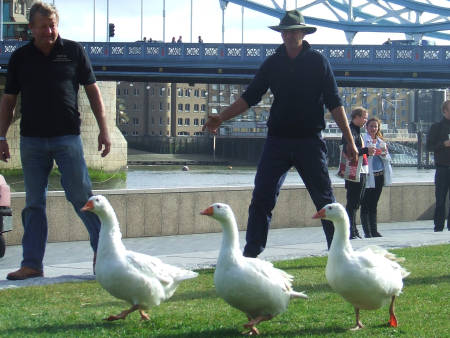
(72, 261)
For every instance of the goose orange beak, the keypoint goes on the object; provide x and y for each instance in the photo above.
(88, 206)
(320, 213)
(207, 212)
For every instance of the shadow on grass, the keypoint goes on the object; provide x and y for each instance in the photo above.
(55, 329)
(304, 267)
(117, 302)
(236, 333)
(190, 295)
(426, 280)
(313, 288)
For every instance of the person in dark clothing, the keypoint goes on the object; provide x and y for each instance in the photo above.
(355, 190)
(302, 82)
(47, 72)
(439, 143)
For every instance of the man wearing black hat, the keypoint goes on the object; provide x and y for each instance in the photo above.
(302, 82)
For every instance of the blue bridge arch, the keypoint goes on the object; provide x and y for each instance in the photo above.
(408, 66)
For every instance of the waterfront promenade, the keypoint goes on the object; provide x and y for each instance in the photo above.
(72, 261)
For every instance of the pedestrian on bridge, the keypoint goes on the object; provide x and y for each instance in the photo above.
(439, 143)
(302, 82)
(47, 72)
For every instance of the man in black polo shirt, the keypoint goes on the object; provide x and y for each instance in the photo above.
(439, 143)
(302, 82)
(47, 72)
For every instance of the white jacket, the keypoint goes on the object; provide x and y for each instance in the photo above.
(370, 180)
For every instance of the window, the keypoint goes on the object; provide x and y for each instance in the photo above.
(180, 121)
(160, 133)
(136, 91)
(202, 121)
(160, 106)
(195, 122)
(153, 106)
(187, 107)
(125, 91)
(204, 92)
(124, 132)
(168, 121)
(198, 133)
(187, 122)
(135, 133)
(187, 92)
(196, 107)
(160, 121)
(135, 120)
(197, 92)
(135, 106)
(183, 133)
(152, 91)
(180, 107)
(161, 91)
(180, 92)
(168, 91)
(203, 107)
(118, 91)
(214, 86)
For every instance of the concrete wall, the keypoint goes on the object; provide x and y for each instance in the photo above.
(160, 212)
(117, 159)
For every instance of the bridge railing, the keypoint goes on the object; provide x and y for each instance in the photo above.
(250, 54)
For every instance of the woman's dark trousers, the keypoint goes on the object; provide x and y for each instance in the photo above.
(355, 192)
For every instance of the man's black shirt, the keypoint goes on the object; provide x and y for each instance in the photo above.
(301, 87)
(49, 87)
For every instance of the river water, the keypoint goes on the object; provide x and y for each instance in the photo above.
(157, 177)
(146, 178)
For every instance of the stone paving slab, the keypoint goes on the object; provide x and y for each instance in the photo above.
(72, 261)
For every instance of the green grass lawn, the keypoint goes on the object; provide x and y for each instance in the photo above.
(77, 309)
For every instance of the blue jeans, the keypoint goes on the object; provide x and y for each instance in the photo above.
(442, 187)
(309, 157)
(37, 155)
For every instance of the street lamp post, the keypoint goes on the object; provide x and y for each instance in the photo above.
(393, 103)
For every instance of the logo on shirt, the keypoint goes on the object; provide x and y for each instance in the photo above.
(61, 58)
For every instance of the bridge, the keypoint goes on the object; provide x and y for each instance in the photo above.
(401, 66)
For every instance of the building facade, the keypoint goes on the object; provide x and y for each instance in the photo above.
(181, 109)
(161, 109)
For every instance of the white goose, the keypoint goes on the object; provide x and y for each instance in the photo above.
(139, 279)
(367, 278)
(249, 284)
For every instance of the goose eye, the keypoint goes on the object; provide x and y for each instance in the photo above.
(97, 200)
(329, 208)
(218, 207)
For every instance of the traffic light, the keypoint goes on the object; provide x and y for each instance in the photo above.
(111, 29)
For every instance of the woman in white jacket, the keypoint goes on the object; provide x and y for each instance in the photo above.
(380, 174)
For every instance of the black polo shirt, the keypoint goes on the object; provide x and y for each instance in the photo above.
(49, 87)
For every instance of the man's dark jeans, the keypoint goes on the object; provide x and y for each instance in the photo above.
(309, 157)
(442, 187)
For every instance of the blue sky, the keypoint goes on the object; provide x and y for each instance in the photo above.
(77, 22)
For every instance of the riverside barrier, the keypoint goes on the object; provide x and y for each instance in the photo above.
(163, 212)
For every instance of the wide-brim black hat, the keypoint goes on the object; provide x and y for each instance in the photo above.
(293, 20)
